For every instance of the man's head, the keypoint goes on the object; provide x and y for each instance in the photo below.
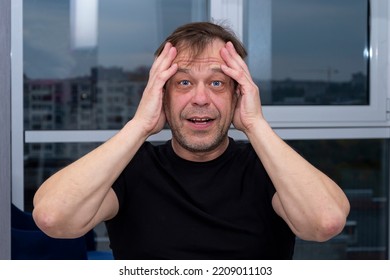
(200, 98)
(196, 36)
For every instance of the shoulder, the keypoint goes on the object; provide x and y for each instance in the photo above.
(242, 151)
(150, 150)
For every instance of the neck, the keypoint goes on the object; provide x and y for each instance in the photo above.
(199, 156)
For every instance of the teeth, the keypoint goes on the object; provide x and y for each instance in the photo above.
(200, 120)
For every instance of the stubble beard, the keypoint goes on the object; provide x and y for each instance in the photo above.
(191, 144)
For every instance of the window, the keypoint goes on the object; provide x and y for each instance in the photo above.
(93, 56)
(361, 168)
(321, 63)
(322, 67)
(317, 61)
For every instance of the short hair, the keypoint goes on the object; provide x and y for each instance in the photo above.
(196, 36)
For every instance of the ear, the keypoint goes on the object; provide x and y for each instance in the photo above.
(237, 90)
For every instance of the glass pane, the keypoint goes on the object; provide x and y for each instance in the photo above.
(360, 167)
(44, 159)
(305, 52)
(86, 63)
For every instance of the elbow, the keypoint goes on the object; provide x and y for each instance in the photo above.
(330, 226)
(46, 222)
(332, 223)
(46, 217)
(329, 230)
(57, 225)
(50, 223)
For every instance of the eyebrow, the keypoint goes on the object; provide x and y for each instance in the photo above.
(183, 70)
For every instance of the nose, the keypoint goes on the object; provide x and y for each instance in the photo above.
(201, 96)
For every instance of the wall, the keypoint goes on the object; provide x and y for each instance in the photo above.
(5, 125)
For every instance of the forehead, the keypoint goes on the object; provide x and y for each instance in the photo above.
(209, 57)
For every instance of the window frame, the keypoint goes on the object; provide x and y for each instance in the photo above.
(373, 115)
(291, 122)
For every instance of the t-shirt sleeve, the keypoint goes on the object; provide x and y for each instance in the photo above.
(270, 186)
(119, 187)
(128, 175)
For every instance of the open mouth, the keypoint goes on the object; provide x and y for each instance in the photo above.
(200, 120)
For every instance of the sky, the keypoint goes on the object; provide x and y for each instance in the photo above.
(311, 37)
(128, 34)
(308, 37)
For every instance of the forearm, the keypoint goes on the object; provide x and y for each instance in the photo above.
(310, 202)
(79, 196)
(71, 198)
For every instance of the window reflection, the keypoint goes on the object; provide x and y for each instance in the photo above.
(360, 167)
(305, 52)
(75, 80)
(296, 54)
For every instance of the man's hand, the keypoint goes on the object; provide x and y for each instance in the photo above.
(248, 110)
(150, 113)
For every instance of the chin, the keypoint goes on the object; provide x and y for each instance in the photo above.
(203, 145)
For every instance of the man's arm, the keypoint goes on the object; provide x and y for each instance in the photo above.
(78, 197)
(312, 204)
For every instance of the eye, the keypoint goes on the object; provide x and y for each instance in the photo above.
(216, 83)
(185, 83)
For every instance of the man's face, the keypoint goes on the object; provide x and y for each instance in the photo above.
(200, 101)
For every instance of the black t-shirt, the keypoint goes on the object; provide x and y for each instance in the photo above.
(171, 208)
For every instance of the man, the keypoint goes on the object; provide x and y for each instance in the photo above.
(200, 195)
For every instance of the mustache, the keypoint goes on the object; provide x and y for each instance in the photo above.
(200, 112)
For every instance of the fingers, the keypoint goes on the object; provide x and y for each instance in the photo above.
(150, 109)
(162, 65)
(235, 66)
(235, 59)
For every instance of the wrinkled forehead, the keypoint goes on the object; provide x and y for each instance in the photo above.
(196, 65)
(209, 55)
